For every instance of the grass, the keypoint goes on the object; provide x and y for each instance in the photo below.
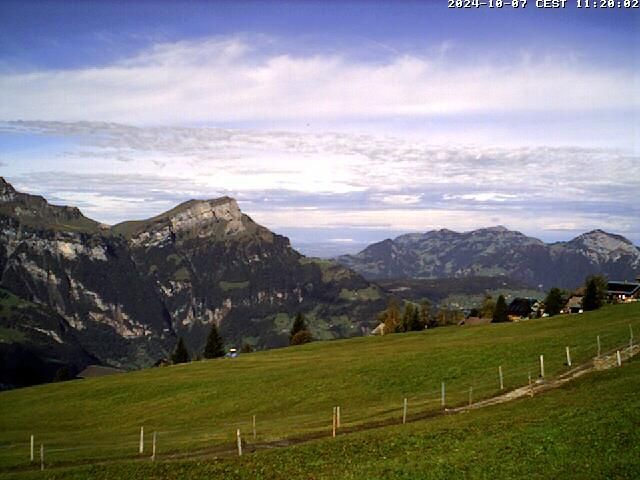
(292, 392)
(587, 429)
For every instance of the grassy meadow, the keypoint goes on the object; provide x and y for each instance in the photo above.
(197, 408)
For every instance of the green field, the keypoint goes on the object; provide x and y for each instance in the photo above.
(197, 408)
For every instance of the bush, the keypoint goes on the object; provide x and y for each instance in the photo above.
(301, 338)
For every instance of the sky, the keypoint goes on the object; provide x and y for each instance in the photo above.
(335, 123)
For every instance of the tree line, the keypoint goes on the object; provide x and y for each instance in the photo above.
(214, 347)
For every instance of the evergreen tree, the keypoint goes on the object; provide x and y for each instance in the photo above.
(299, 325)
(215, 346)
(595, 292)
(554, 302)
(180, 354)
(500, 312)
(415, 325)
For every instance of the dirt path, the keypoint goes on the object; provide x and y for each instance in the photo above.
(604, 362)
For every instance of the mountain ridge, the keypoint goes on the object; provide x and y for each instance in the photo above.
(128, 291)
(497, 251)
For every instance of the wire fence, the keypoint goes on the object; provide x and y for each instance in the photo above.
(219, 437)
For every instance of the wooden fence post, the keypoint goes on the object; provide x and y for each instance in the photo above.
(501, 378)
(542, 366)
(334, 422)
(254, 427)
(530, 386)
(41, 456)
(442, 393)
(568, 356)
(619, 358)
(239, 440)
(404, 411)
(141, 447)
(153, 448)
(32, 456)
(338, 417)
(598, 340)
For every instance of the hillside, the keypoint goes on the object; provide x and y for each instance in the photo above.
(127, 292)
(498, 251)
(198, 407)
(541, 437)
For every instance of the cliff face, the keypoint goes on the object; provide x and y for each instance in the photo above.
(498, 251)
(128, 291)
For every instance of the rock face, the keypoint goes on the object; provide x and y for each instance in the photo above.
(498, 251)
(128, 291)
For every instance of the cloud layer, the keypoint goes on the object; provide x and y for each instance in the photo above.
(257, 79)
(291, 181)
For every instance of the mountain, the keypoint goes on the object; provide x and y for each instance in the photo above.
(497, 251)
(125, 293)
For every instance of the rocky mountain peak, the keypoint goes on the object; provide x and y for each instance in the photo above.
(7, 192)
(603, 245)
(196, 214)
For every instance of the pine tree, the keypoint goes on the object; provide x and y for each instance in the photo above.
(299, 325)
(595, 292)
(416, 324)
(554, 302)
(215, 346)
(180, 354)
(500, 312)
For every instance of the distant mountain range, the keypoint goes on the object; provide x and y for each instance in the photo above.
(123, 294)
(498, 251)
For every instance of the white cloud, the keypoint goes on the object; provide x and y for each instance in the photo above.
(482, 197)
(232, 79)
(328, 180)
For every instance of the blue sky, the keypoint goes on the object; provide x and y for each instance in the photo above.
(334, 122)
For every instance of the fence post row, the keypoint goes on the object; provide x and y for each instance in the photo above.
(336, 409)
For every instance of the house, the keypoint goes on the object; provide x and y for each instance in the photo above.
(574, 304)
(623, 291)
(522, 308)
(379, 330)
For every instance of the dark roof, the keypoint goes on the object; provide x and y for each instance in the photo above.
(521, 306)
(623, 288)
